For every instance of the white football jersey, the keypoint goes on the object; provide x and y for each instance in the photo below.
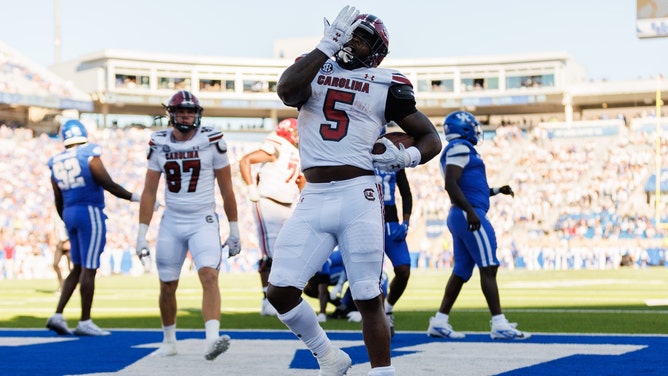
(188, 167)
(278, 180)
(343, 117)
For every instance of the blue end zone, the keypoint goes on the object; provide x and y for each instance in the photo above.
(41, 352)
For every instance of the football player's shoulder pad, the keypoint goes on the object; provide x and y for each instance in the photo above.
(213, 136)
(159, 138)
(402, 91)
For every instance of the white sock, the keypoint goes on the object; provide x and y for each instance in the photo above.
(303, 322)
(499, 319)
(212, 328)
(442, 316)
(169, 333)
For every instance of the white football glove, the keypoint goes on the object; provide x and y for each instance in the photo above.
(142, 249)
(340, 31)
(253, 194)
(233, 242)
(336, 291)
(354, 316)
(396, 158)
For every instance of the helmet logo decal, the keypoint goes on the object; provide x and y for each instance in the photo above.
(463, 116)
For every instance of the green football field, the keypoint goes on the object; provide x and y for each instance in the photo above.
(574, 301)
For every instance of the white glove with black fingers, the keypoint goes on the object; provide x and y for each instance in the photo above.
(396, 158)
(340, 31)
(253, 194)
(233, 242)
(142, 244)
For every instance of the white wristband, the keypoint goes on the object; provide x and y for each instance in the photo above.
(135, 197)
(328, 47)
(143, 229)
(496, 190)
(415, 156)
(234, 229)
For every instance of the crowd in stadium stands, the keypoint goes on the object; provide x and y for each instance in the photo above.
(19, 76)
(579, 203)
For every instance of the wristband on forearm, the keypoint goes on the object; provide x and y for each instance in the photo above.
(415, 156)
(234, 229)
(143, 229)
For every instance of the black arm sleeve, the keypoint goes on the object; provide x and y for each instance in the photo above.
(405, 191)
(400, 102)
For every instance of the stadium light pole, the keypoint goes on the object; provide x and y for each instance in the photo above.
(56, 40)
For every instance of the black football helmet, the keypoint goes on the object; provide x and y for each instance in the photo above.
(373, 32)
(184, 99)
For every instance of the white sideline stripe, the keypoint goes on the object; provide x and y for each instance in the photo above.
(26, 341)
(656, 302)
(153, 310)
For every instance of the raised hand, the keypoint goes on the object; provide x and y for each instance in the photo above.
(340, 31)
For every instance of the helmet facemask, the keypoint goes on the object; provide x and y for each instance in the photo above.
(184, 100)
(371, 32)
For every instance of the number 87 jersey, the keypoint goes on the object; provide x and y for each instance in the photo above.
(188, 168)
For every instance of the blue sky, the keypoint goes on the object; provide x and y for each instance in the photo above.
(599, 34)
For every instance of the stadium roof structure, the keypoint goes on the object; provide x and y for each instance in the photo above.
(542, 84)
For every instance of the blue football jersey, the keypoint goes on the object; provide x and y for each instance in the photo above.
(71, 172)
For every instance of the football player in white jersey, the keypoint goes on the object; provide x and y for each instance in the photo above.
(343, 104)
(273, 192)
(192, 158)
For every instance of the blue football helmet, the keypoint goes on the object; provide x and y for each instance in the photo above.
(73, 132)
(462, 124)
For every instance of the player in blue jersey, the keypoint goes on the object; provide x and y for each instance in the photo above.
(474, 240)
(79, 180)
(396, 247)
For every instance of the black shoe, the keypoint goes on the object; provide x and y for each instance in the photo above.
(339, 313)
